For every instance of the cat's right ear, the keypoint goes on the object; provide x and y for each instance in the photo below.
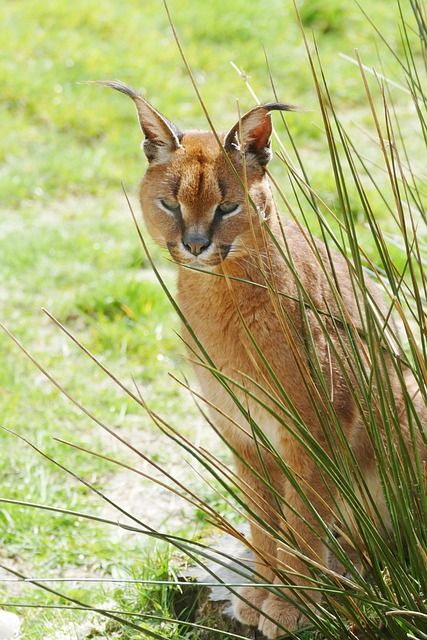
(161, 136)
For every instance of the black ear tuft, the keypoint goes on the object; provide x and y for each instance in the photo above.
(252, 133)
(161, 136)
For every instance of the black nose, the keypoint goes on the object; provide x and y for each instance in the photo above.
(195, 243)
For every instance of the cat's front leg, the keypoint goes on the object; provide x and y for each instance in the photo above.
(287, 618)
(279, 617)
(269, 612)
(279, 614)
(249, 603)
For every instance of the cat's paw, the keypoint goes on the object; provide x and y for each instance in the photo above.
(284, 617)
(249, 612)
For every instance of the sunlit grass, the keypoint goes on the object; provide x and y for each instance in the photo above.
(68, 243)
(60, 137)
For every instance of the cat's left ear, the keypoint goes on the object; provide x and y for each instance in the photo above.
(252, 133)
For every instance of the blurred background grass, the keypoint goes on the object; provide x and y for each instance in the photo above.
(67, 241)
(61, 138)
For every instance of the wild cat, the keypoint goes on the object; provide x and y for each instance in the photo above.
(208, 201)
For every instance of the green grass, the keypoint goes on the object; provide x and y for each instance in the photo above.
(67, 242)
(62, 138)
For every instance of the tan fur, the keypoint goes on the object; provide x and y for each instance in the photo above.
(192, 171)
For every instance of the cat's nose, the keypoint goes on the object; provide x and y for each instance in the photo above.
(195, 243)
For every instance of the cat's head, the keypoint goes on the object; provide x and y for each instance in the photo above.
(203, 195)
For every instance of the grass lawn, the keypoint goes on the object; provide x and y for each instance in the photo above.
(68, 244)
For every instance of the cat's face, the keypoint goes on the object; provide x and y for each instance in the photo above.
(195, 206)
(194, 203)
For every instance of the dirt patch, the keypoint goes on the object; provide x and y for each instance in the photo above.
(154, 495)
(8, 581)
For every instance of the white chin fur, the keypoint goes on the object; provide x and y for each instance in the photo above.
(207, 261)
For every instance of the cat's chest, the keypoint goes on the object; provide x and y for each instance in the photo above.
(233, 325)
(229, 317)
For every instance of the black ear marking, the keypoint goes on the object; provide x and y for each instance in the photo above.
(161, 136)
(252, 133)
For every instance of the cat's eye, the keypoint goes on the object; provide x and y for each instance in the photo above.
(171, 205)
(226, 208)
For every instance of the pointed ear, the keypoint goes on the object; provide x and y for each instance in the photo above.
(161, 136)
(252, 133)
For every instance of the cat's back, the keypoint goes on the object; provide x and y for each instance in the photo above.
(327, 276)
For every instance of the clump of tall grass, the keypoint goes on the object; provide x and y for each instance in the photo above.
(376, 585)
